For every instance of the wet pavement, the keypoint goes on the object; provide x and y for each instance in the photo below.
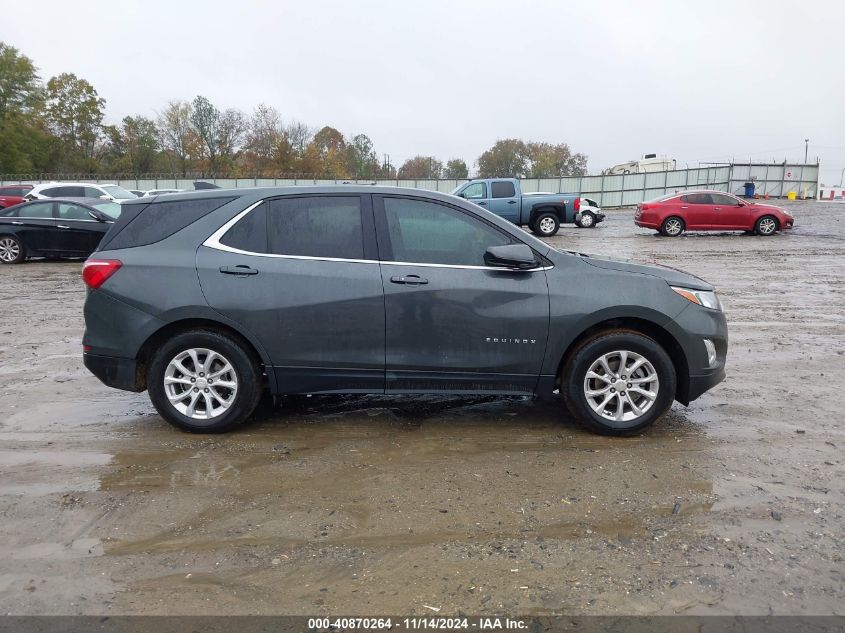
(397, 505)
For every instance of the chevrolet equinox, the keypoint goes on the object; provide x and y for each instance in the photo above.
(206, 299)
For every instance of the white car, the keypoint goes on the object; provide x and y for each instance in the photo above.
(79, 190)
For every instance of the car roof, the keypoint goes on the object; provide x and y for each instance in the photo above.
(267, 192)
(76, 200)
(74, 184)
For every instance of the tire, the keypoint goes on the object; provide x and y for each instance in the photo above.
(587, 220)
(652, 367)
(546, 225)
(672, 226)
(231, 404)
(12, 250)
(766, 225)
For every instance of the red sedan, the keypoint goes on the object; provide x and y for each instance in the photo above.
(710, 211)
(11, 195)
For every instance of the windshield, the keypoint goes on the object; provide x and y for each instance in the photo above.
(111, 209)
(119, 193)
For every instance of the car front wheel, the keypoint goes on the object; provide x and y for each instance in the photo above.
(619, 382)
(587, 220)
(12, 250)
(767, 225)
(204, 382)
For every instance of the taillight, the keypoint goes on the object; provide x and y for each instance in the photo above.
(577, 204)
(96, 271)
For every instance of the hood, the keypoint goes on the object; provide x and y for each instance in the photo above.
(672, 276)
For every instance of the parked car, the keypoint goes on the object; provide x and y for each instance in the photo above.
(10, 195)
(159, 192)
(543, 213)
(590, 213)
(79, 190)
(704, 210)
(67, 227)
(137, 192)
(362, 289)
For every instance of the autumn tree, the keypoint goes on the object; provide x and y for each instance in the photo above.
(133, 146)
(325, 155)
(177, 136)
(506, 159)
(420, 167)
(362, 161)
(546, 160)
(74, 113)
(220, 133)
(456, 169)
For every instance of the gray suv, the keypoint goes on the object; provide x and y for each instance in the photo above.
(207, 299)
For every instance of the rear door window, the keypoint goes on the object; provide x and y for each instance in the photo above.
(38, 210)
(502, 189)
(316, 226)
(250, 232)
(698, 198)
(92, 192)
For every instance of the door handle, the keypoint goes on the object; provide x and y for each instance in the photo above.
(239, 270)
(18, 223)
(482, 204)
(410, 280)
(511, 201)
(717, 208)
(62, 226)
(685, 207)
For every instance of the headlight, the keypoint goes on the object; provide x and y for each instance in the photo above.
(785, 212)
(705, 298)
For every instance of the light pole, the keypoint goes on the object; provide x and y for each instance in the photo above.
(806, 146)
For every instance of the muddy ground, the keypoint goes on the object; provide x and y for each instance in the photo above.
(404, 505)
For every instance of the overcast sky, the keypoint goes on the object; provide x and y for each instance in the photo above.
(696, 80)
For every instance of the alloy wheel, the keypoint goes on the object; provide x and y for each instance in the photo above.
(200, 383)
(768, 226)
(673, 226)
(621, 386)
(10, 250)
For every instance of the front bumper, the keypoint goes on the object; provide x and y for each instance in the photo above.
(704, 382)
(119, 373)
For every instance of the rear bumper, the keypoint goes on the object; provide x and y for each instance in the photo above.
(646, 224)
(119, 373)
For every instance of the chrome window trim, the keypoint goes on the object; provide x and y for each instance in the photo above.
(213, 241)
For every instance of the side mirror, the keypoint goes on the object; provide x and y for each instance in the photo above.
(105, 197)
(513, 256)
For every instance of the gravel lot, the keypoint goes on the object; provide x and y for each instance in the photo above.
(390, 505)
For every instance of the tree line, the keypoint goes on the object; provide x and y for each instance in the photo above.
(59, 127)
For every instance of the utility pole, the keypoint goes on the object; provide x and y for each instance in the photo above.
(806, 146)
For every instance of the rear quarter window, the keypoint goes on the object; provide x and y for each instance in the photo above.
(250, 232)
(155, 222)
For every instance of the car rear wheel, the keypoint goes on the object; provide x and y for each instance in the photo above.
(204, 382)
(587, 220)
(618, 383)
(546, 225)
(672, 226)
(767, 225)
(12, 250)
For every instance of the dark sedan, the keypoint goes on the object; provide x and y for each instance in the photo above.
(56, 227)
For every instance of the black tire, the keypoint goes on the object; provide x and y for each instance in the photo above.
(12, 250)
(243, 362)
(590, 222)
(673, 226)
(766, 225)
(574, 375)
(546, 225)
